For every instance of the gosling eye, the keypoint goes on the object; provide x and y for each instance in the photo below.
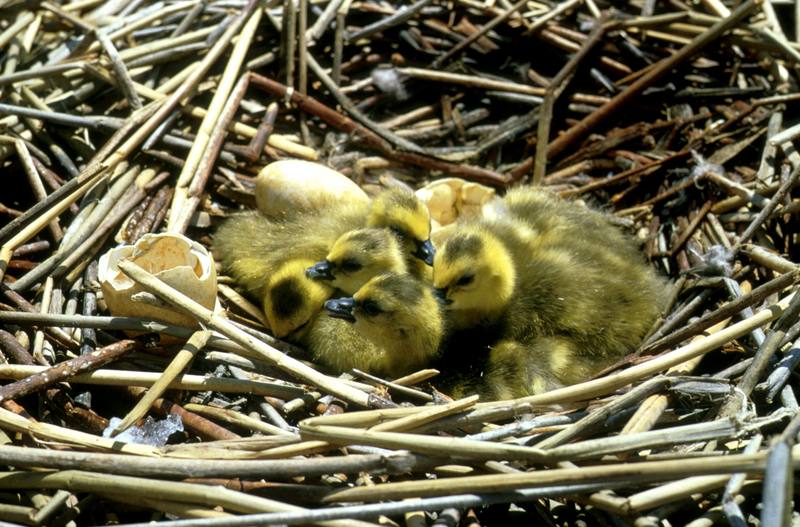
(465, 280)
(350, 265)
(370, 308)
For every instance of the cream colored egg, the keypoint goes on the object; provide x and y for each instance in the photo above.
(291, 185)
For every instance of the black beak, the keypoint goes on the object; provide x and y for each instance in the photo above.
(341, 308)
(425, 252)
(320, 271)
(441, 295)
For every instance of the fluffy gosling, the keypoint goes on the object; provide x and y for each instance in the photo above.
(399, 315)
(562, 301)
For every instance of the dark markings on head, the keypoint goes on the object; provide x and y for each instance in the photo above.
(401, 288)
(370, 240)
(402, 198)
(287, 298)
(462, 245)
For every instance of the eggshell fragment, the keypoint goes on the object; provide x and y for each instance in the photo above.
(470, 211)
(174, 259)
(441, 201)
(475, 194)
(451, 198)
(291, 185)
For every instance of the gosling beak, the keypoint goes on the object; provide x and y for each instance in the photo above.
(320, 271)
(341, 308)
(441, 295)
(425, 252)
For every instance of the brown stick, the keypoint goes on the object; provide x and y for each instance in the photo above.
(554, 90)
(687, 232)
(11, 346)
(731, 308)
(57, 334)
(197, 424)
(67, 369)
(347, 125)
(591, 121)
(441, 59)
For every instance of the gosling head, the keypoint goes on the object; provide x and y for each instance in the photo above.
(291, 300)
(474, 271)
(402, 212)
(357, 256)
(399, 314)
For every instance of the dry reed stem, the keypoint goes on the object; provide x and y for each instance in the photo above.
(67, 369)
(611, 382)
(658, 71)
(238, 419)
(175, 368)
(648, 471)
(196, 466)
(737, 305)
(147, 379)
(166, 52)
(215, 109)
(181, 510)
(557, 85)
(129, 324)
(651, 410)
(444, 447)
(211, 496)
(263, 350)
(46, 431)
(121, 180)
(30, 230)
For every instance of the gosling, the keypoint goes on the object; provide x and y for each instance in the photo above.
(253, 248)
(357, 256)
(268, 258)
(560, 301)
(398, 315)
(404, 215)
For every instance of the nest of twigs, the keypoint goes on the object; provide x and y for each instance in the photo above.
(118, 119)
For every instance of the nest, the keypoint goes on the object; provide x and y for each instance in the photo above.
(118, 120)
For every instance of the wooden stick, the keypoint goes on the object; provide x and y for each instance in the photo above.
(263, 350)
(146, 379)
(630, 472)
(67, 369)
(602, 386)
(178, 364)
(618, 102)
(212, 496)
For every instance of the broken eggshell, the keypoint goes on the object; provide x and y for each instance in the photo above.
(451, 198)
(174, 259)
(292, 185)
